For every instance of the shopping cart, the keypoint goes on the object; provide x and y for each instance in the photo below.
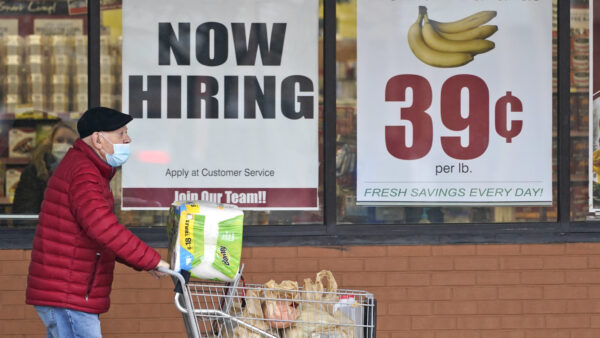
(218, 309)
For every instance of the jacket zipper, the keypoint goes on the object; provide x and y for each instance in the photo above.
(89, 289)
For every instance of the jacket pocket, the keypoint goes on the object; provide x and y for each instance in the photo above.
(93, 278)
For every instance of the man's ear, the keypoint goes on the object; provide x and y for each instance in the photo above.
(96, 140)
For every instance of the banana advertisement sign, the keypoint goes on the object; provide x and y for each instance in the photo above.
(454, 102)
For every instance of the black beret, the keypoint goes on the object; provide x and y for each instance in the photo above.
(101, 119)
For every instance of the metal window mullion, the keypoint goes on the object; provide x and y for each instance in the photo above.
(329, 114)
(563, 116)
(93, 53)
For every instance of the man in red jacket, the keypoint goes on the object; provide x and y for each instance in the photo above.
(78, 237)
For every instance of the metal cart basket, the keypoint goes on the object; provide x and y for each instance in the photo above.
(218, 309)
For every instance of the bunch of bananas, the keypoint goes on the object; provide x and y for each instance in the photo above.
(450, 44)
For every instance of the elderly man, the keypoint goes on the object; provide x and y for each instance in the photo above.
(78, 237)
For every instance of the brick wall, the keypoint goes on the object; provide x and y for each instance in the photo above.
(460, 291)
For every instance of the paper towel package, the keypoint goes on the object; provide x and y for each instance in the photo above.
(205, 239)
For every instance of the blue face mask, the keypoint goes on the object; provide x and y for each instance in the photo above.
(120, 154)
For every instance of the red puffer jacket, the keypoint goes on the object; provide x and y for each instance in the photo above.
(78, 237)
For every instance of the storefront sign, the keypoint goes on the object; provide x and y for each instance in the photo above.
(224, 97)
(455, 105)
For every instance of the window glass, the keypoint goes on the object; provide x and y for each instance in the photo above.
(351, 213)
(111, 82)
(43, 67)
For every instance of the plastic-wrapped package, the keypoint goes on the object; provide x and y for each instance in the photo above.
(205, 239)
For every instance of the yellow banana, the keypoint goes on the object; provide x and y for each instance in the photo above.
(480, 32)
(435, 41)
(464, 24)
(430, 56)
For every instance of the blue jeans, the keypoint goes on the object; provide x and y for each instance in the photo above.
(66, 323)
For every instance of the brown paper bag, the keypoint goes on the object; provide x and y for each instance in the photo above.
(253, 309)
(316, 310)
(280, 306)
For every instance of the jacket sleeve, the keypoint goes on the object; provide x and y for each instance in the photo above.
(96, 217)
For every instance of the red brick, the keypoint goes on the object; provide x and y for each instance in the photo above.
(364, 251)
(453, 278)
(407, 279)
(429, 293)
(565, 262)
(478, 322)
(542, 277)
(502, 334)
(585, 333)
(153, 326)
(457, 334)
(583, 306)
(474, 293)
(567, 321)
(136, 311)
(455, 308)
(386, 264)
(542, 249)
(498, 249)
(430, 263)
(549, 334)
(307, 251)
(363, 279)
(594, 291)
(121, 325)
(410, 334)
(259, 265)
(520, 292)
(595, 321)
(421, 308)
(521, 263)
(342, 264)
(12, 283)
(498, 278)
(498, 307)
(409, 251)
(583, 277)
(521, 321)
(393, 323)
(433, 323)
(16, 327)
(396, 294)
(13, 268)
(12, 297)
(593, 261)
(582, 249)
(476, 263)
(296, 265)
(565, 292)
(453, 250)
(545, 306)
(279, 252)
(140, 280)
(12, 311)
(13, 255)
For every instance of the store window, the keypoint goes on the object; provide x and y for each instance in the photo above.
(351, 212)
(44, 67)
(43, 48)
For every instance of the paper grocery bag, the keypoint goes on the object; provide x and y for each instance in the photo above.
(205, 239)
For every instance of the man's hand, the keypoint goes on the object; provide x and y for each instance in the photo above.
(161, 264)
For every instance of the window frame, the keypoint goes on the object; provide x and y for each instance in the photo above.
(331, 233)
